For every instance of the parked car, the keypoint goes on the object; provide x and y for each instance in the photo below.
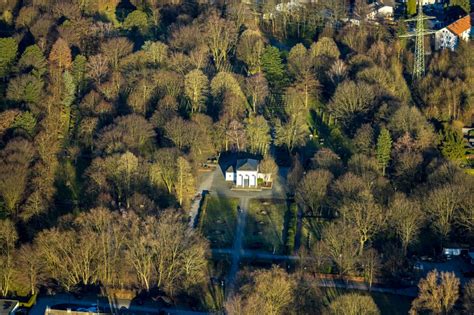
(418, 266)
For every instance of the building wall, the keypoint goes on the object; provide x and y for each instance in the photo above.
(466, 35)
(426, 2)
(50, 311)
(230, 176)
(445, 39)
(250, 175)
(385, 11)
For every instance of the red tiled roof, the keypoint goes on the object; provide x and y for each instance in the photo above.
(461, 25)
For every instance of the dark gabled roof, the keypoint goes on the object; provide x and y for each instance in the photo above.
(247, 165)
(230, 169)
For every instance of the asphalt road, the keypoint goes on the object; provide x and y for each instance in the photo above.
(254, 254)
(119, 306)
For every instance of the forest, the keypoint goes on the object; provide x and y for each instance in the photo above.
(109, 109)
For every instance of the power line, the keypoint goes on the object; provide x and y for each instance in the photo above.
(419, 34)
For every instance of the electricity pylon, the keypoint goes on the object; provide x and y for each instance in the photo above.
(419, 34)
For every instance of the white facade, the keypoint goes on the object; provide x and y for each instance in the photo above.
(229, 176)
(466, 35)
(246, 178)
(385, 11)
(426, 2)
(445, 39)
(450, 36)
(246, 173)
(379, 10)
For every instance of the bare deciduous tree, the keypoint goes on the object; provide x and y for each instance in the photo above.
(29, 268)
(341, 242)
(163, 169)
(270, 292)
(166, 253)
(69, 257)
(8, 238)
(468, 297)
(196, 87)
(256, 89)
(312, 190)
(407, 219)
(98, 67)
(60, 54)
(15, 159)
(177, 130)
(338, 72)
(351, 100)
(221, 37)
(258, 135)
(443, 204)
(353, 304)
(116, 48)
(184, 185)
(366, 216)
(294, 130)
(438, 293)
(236, 136)
(132, 132)
(250, 50)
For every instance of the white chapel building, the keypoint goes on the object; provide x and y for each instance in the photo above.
(245, 173)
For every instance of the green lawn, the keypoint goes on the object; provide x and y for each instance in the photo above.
(390, 304)
(218, 219)
(265, 225)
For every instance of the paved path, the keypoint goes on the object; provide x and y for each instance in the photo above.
(205, 184)
(117, 306)
(410, 291)
(254, 254)
(237, 248)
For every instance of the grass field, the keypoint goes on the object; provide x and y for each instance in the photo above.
(218, 219)
(390, 304)
(265, 225)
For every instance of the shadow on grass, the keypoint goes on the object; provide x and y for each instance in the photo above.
(265, 225)
(219, 218)
(390, 304)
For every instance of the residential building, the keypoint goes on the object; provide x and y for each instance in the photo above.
(425, 2)
(449, 36)
(380, 10)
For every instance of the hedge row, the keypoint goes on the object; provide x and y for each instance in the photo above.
(202, 210)
(291, 230)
